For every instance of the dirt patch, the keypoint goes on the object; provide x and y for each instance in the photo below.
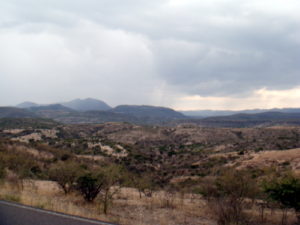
(34, 152)
(13, 131)
(92, 157)
(27, 138)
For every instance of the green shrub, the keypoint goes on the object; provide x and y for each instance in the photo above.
(284, 190)
(90, 185)
(22, 164)
(2, 171)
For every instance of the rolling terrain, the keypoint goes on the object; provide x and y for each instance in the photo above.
(164, 167)
(166, 152)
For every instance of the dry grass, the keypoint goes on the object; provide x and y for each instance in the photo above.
(270, 216)
(273, 158)
(31, 151)
(128, 208)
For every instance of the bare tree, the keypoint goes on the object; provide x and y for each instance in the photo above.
(113, 176)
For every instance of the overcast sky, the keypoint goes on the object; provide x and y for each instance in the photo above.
(184, 54)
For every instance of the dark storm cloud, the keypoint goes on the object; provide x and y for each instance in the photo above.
(249, 54)
(161, 49)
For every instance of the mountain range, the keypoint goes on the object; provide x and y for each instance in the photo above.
(90, 110)
(96, 111)
(76, 104)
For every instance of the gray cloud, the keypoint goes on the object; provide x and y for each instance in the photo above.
(110, 49)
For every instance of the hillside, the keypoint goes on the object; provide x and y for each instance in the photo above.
(95, 117)
(130, 114)
(144, 111)
(265, 116)
(214, 113)
(12, 112)
(51, 111)
(251, 120)
(166, 153)
(88, 104)
(24, 123)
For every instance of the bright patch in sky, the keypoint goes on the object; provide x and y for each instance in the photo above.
(269, 99)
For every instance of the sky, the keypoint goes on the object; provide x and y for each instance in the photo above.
(183, 54)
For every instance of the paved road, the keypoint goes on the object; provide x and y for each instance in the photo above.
(16, 214)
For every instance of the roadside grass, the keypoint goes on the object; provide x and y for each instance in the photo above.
(128, 208)
(10, 197)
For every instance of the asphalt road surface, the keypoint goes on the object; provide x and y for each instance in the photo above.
(16, 214)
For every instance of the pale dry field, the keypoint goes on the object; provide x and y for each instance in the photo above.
(272, 158)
